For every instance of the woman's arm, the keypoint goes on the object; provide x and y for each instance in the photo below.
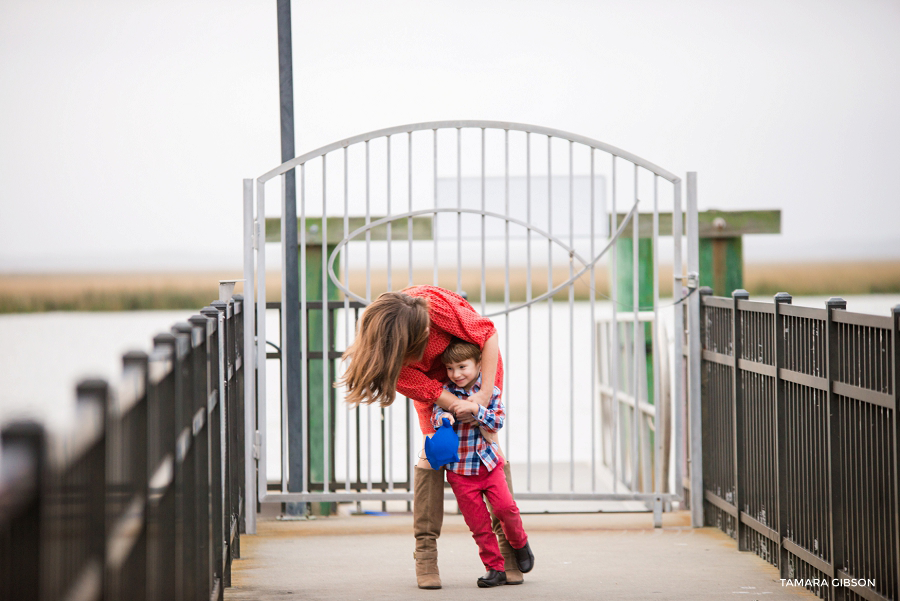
(489, 358)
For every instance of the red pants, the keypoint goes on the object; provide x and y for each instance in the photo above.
(468, 491)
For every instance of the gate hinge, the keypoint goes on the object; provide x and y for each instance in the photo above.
(257, 441)
(255, 235)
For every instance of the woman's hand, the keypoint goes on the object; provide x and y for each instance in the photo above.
(482, 397)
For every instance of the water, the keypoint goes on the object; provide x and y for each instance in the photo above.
(44, 355)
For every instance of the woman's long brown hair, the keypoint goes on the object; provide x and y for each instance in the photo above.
(392, 332)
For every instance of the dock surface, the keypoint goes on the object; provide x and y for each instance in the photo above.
(578, 556)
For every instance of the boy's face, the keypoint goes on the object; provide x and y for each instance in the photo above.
(463, 373)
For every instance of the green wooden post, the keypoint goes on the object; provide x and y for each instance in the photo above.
(625, 282)
(315, 381)
(722, 264)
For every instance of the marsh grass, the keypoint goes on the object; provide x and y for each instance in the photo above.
(811, 279)
(107, 292)
(133, 292)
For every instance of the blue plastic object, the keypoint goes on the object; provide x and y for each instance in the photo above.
(443, 447)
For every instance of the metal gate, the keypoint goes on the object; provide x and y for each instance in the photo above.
(515, 216)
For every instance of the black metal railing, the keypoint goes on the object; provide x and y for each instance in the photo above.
(800, 439)
(142, 499)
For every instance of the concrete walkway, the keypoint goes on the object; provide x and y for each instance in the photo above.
(578, 556)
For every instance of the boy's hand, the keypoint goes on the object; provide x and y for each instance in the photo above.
(448, 416)
(464, 410)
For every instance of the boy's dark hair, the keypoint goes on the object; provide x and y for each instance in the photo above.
(459, 351)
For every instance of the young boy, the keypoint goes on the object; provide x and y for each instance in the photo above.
(480, 468)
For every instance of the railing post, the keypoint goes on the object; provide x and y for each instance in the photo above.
(201, 391)
(737, 396)
(24, 443)
(95, 393)
(695, 357)
(835, 461)
(172, 553)
(185, 456)
(134, 579)
(780, 431)
(242, 506)
(703, 292)
(216, 399)
(895, 373)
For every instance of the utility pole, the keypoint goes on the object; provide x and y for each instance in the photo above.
(291, 308)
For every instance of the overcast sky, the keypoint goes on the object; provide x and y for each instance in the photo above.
(126, 127)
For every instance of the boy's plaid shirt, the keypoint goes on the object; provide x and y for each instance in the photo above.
(473, 448)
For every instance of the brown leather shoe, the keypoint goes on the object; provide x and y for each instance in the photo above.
(513, 575)
(428, 516)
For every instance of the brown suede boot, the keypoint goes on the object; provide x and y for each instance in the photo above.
(428, 516)
(513, 575)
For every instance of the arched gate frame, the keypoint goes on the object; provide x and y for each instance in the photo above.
(429, 181)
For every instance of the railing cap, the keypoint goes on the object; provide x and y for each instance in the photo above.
(783, 297)
(740, 294)
(134, 358)
(182, 327)
(836, 302)
(163, 338)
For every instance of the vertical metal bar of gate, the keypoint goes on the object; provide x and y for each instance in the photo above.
(435, 230)
(528, 293)
(591, 294)
(659, 436)
(304, 334)
(483, 288)
(285, 354)
(637, 335)
(326, 340)
(249, 363)
(459, 206)
(572, 325)
(411, 454)
(368, 300)
(506, 367)
(409, 220)
(550, 314)
(284, 357)
(389, 413)
(614, 287)
(346, 257)
(694, 356)
(678, 338)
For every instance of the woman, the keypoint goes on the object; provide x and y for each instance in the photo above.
(398, 347)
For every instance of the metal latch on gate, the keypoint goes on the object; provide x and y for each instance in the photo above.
(693, 280)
